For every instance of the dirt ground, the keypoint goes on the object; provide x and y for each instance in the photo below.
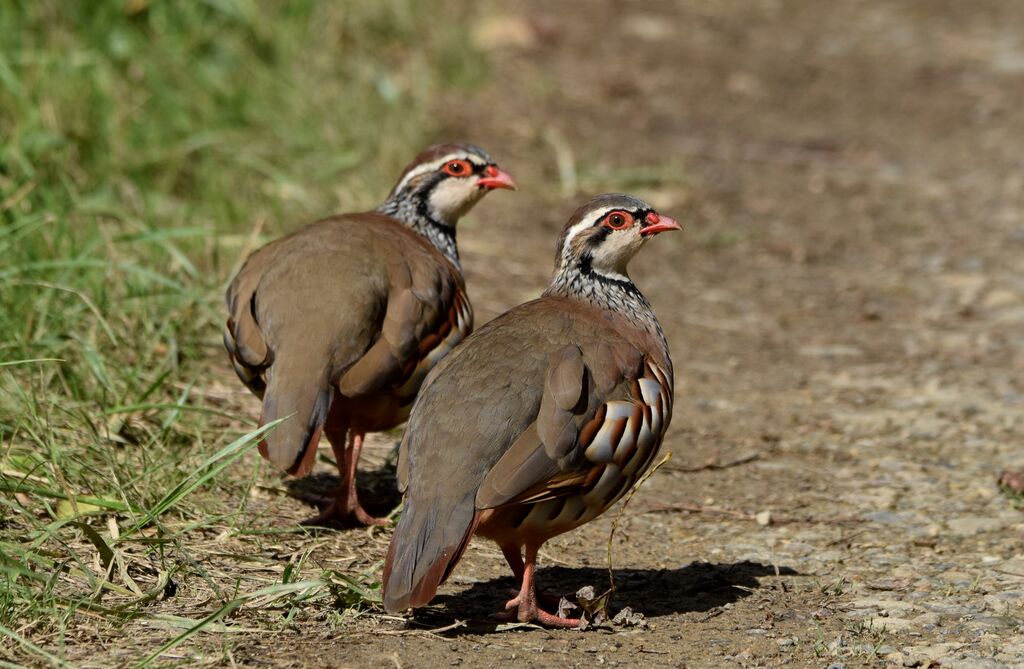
(846, 313)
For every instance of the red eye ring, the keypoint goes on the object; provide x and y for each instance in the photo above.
(458, 168)
(618, 220)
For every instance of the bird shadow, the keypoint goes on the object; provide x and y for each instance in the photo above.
(693, 588)
(378, 491)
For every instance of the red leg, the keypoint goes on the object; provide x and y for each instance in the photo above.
(352, 496)
(514, 558)
(524, 607)
(345, 507)
(515, 561)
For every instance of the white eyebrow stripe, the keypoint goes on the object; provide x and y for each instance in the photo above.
(436, 165)
(586, 222)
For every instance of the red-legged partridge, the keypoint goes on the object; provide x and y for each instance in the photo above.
(337, 324)
(539, 421)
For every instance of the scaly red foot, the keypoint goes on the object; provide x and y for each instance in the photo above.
(345, 514)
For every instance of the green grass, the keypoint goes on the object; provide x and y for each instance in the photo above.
(145, 147)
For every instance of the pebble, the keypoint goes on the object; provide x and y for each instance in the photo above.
(890, 624)
(933, 651)
(887, 606)
(1004, 602)
(977, 663)
(968, 526)
(995, 623)
(947, 610)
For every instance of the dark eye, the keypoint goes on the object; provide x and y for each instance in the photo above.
(618, 220)
(458, 168)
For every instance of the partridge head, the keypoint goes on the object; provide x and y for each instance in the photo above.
(440, 186)
(539, 421)
(595, 247)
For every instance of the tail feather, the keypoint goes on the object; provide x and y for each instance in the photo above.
(306, 397)
(426, 546)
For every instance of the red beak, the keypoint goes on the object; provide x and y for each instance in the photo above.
(656, 223)
(496, 178)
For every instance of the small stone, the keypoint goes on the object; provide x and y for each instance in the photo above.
(995, 623)
(968, 526)
(999, 298)
(1014, 567)
(952, 610)
(978, 663)
(628, 618)
(764, 518)
(887, 607)
(879, 623)
(887, 583)
(500, 32)
(648, 27)
(1004, 602)
(836, 351)
(744, 655)
(934, 651)
(926, 428)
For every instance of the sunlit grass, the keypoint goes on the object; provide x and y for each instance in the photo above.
(145, 147)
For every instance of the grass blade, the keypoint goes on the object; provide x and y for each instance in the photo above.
(213, 465)
(209, 620)
(28, 361)
(50, 658)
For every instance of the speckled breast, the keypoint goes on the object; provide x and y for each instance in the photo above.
(453, 329)
(620, 443)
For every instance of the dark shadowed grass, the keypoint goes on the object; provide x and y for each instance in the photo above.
(145, 147)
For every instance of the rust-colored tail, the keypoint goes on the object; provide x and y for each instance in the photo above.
(428, 542)
(303, 392)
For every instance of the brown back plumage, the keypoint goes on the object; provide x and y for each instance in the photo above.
(342, 304)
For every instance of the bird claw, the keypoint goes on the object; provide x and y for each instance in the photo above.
(514, 613)
(518, 610)
(347, 515)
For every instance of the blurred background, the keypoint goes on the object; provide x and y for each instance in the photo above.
(845, 308)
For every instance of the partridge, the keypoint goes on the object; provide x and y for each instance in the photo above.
(539, 421)
(337, 325)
